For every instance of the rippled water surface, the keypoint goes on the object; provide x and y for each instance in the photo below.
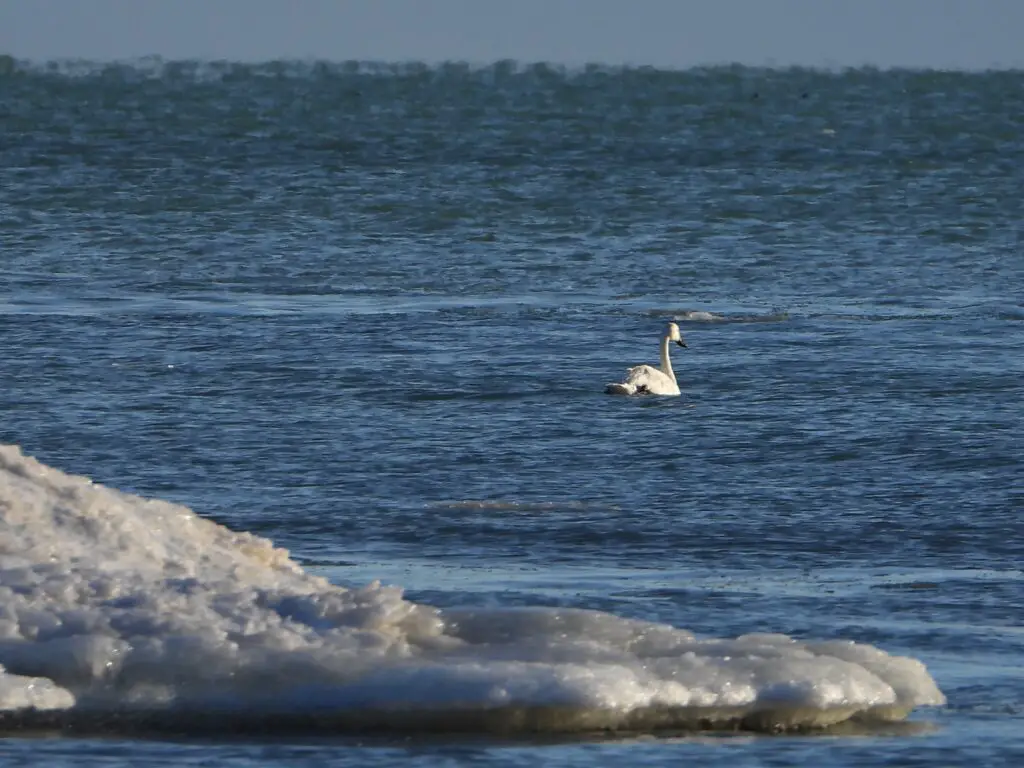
(369, 312)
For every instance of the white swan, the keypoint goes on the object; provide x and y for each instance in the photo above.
(645, 379)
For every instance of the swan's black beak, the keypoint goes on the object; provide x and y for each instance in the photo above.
(681, 343)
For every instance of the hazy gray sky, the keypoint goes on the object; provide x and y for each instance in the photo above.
(963, 34)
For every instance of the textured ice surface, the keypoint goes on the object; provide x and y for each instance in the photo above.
(115, 604)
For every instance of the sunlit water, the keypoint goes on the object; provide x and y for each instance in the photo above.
(369, 312)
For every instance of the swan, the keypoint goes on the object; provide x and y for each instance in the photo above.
(646, 379)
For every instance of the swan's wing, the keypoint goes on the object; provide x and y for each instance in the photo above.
(641, 379)
(643, 375)
(636, 382)
(619, 389)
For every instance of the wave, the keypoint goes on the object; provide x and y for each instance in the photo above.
(121, 614)
(358, 301)
(501, 505)
(132, 70)
(706, 316)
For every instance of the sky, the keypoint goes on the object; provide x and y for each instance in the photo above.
(944, 34)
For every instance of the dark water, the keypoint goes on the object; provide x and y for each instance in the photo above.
(369, 311)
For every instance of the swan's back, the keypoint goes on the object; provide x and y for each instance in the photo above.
(644, 379)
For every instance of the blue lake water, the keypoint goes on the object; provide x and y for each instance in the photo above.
(369, 311)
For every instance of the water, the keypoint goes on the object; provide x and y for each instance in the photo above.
(369, 311)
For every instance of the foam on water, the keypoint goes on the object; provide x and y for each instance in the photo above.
(117, 609)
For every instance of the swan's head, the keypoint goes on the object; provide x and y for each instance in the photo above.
(675, 335)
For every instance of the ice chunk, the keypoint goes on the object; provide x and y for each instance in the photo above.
(116, 609)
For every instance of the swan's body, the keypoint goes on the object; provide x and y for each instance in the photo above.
(648, 380)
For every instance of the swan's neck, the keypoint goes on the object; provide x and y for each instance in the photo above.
(666, 359)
